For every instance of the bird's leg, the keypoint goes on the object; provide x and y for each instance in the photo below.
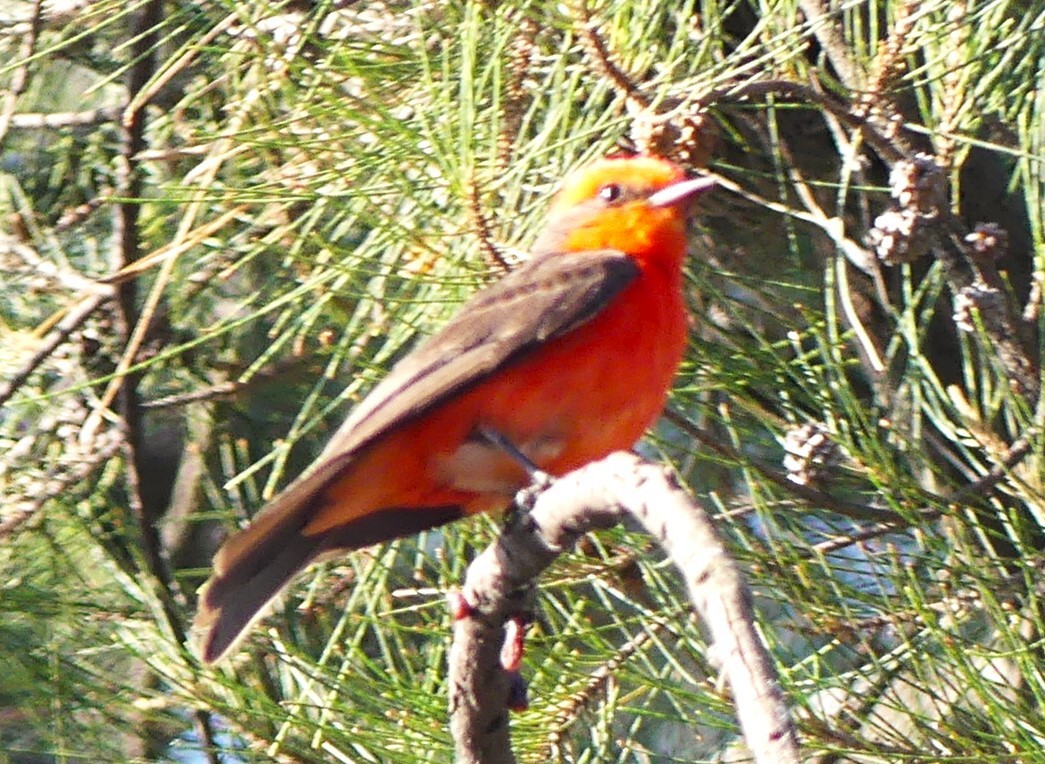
(540, 480)
(511, 661)
(515, 626)
(499, 440)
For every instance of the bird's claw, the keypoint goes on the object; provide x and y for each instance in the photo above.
(514, 642)
(518, 697)
(526, 498)
(460, 607)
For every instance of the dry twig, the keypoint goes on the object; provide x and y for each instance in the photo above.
(20, 78)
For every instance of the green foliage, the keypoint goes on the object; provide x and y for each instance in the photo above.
(319, 187)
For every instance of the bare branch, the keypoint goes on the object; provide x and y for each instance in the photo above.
(145, 25)
(500, 581)
(60, 119)
(828, 30)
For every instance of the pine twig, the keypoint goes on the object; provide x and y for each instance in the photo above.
(602, 60)
(69, 323)
(23, 509)
(496, 262)
(567, 712)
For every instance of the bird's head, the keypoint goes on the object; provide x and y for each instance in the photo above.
(637, 205)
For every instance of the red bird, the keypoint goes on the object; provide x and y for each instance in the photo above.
(567, 358)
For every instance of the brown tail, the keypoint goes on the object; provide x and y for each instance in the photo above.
(257, 563)
(254, 565)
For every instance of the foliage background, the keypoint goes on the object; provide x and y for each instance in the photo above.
(221, 222)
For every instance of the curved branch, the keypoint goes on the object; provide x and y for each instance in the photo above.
(500, 582)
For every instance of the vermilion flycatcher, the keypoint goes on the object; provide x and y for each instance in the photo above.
(567, 358)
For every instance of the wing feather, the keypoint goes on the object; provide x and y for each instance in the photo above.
(542, 299)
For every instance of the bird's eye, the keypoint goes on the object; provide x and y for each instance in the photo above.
(611, 192)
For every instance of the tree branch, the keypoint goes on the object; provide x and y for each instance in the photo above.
(62, 119)
(20, 78)
(500, 582)
(144, 31)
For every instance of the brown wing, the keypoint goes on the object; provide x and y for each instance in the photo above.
(540, 300)
(543, 298)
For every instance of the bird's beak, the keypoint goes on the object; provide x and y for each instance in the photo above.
(681, 193)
